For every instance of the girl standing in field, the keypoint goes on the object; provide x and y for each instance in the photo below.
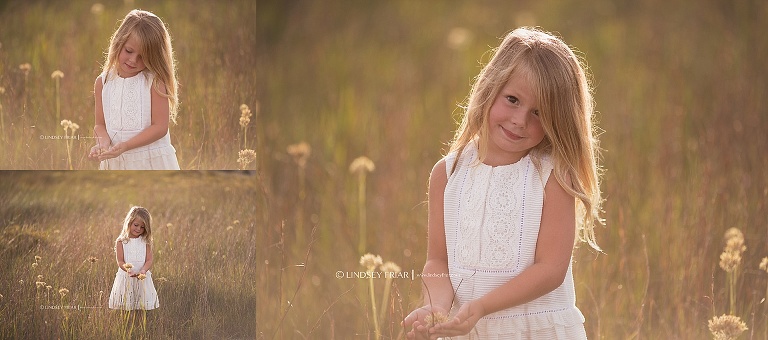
(503, 203)
(136, 97)
(133, 288)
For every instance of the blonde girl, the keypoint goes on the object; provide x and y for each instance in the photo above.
(133, 288)
(136, 97)
(518, 189)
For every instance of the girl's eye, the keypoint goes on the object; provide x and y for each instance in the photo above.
(513, 99)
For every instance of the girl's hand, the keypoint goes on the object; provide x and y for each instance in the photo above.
(464, 321)
(416, 320)
(114, 151)
(95, 152)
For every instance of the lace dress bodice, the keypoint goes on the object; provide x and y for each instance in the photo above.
(492, 219)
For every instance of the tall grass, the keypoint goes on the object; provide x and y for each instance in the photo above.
(203, 250)
(679, 90)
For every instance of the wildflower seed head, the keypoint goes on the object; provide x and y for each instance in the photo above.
(21, 282)
(244, 121)
(733, 233)
(34, 265)
(236, 222)
(229, 228)
(390, 267)
(141, 277)
(57, 74)
(39, 278)
(40, 284)
(729, 261)
(97, 9)
(25, 67)
(361, 164)
(764, 264)
(161, 279)
(726, 327)
(66, 124)
(370, 261)
(38, 258)
(74, 126)
(736, 245)
(300, 153)
(63, 292)
(435, 318)
(48, 287)
(245, 157)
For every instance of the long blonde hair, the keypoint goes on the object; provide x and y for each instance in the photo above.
(142, 214)
(156, 51)
(566, 108)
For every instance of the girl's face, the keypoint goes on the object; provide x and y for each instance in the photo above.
(513, 123)
(136, 228)
(131, 62)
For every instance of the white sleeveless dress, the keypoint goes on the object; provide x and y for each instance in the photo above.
(492, 219)
(130, 293)
(127, 104)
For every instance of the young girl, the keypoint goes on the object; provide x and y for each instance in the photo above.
(136, 97)
(133, 288)
(503, 202)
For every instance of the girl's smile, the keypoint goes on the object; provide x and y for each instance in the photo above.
(130, 59)
(514, 127)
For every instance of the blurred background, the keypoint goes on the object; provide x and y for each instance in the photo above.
(680, 93)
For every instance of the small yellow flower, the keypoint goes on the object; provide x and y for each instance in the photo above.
(141, 277)
(244, 121)
(66, 124)
(63, 292)
(370, 261)
(361, 164)
(128, 266)
(726, 327)
(57, 74)
(764, 264)
(74, 126)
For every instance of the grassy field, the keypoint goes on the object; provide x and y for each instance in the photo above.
(680, 90)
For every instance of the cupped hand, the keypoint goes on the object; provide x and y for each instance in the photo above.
(114, 151)
(418, 323)
(96, 150)
(464, 321)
